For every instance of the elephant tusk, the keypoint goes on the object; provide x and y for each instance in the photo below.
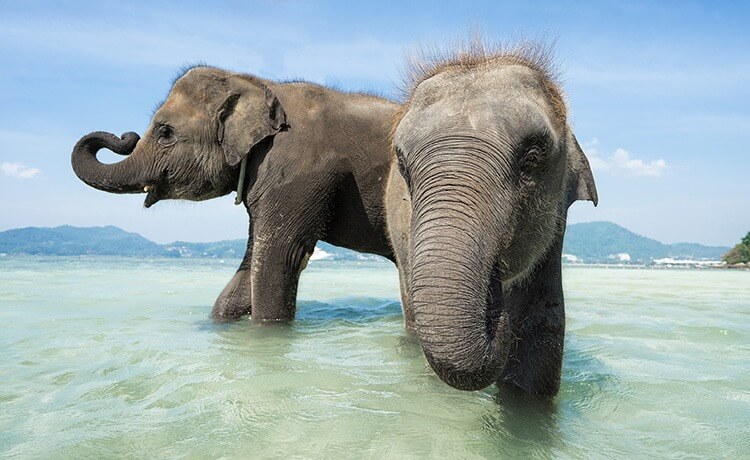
(147, 188)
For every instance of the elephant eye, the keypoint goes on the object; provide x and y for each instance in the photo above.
(533, 156)
(165, 134)
(534, 152)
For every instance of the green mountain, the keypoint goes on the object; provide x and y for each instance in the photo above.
(74, 241)
(602, 241)
(589, 242)
(114, 241)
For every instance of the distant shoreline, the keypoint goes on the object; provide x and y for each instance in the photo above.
(592, 243)
(229, 261)
(660, 267)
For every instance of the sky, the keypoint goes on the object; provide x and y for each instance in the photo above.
(658, 95)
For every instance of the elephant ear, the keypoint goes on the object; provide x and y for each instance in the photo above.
(581, 186)
(249, 114)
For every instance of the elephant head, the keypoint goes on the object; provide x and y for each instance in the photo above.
(209, 122)
(491, 166)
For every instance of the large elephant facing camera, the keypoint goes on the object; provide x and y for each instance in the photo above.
(487, 168)
(313, 162)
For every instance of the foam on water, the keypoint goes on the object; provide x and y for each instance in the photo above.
(116, 357)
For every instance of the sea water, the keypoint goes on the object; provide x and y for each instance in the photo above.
(116, 357)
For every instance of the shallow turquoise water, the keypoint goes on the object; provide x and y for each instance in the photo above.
(116, 357)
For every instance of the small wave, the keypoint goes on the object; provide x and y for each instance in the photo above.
(349, 309)
(319, 254)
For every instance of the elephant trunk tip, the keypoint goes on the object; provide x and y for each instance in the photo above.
(465, 334)
(474, 372)
(91, 143)
(127, 143)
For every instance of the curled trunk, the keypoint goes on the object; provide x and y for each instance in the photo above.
(127, 176)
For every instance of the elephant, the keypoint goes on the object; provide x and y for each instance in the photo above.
(487, 166)
(309, 163)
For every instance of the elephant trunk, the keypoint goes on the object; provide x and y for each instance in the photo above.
(124, 177)
(456, 278)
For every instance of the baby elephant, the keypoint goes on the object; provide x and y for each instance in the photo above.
(487, 168)
(309, 164)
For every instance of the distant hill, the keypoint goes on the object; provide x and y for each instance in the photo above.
(588, 242)
(603, 241)
(73, 241)
(114, 241)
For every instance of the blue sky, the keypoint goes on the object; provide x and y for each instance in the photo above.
(658, 95)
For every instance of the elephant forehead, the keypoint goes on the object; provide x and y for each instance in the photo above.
(180, 105)
(492, 88)
(506, 114)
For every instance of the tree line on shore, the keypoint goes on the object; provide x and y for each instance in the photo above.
(740, 254)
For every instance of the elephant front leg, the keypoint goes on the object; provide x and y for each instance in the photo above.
(537, 316)
(535, 360)
(275, 272)
(235, 301)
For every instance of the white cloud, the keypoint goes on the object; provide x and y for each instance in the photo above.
(19, 171)
(638, 167)
(622, 162)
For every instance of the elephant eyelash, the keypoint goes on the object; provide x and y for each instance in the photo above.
(163, 128)
(534, 154)
(402, 167)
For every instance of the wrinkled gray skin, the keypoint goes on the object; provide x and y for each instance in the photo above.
(317, 166)
(490, 171)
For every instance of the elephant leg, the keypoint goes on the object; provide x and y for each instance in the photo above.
(235, 300)
(278, 260)
(536, 311)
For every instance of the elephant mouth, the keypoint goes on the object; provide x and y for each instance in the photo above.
(155, 191)
(152, 196)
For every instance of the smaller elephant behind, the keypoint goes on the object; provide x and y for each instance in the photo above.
(477, 203)
(311, 164)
